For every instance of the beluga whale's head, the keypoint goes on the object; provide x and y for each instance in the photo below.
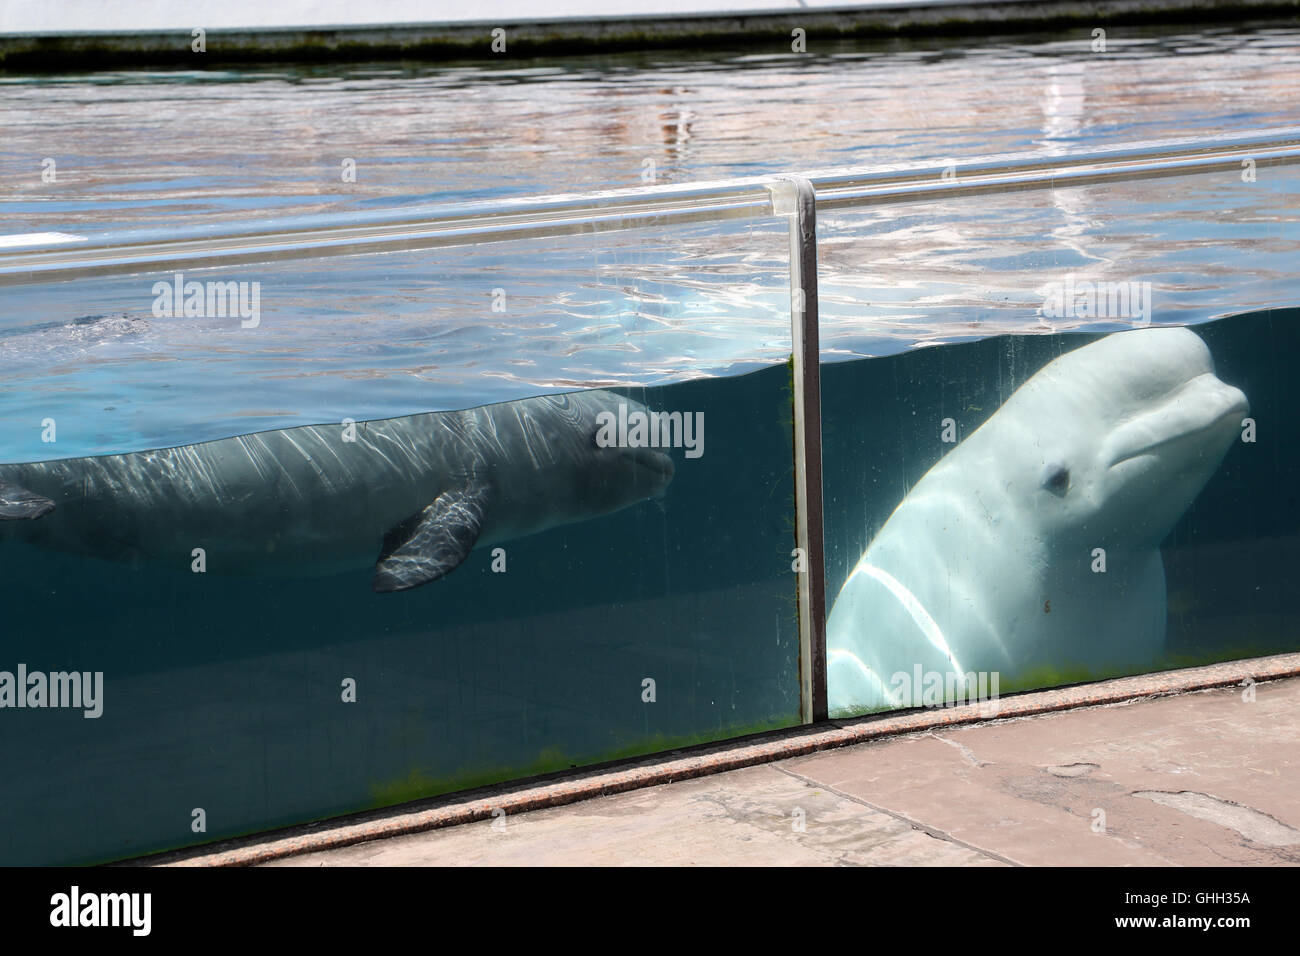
(625, 445)
(569, 460)
(1114, 440)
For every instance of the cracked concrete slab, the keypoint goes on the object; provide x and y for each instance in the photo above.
(1075, 787)
(1200, 778)
(1256, 827)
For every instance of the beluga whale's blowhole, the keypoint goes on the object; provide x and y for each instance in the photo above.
(989, 563)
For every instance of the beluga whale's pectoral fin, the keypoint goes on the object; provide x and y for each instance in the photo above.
(432, 543)
(18, 502)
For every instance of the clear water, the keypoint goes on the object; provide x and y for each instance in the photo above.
(167, 148)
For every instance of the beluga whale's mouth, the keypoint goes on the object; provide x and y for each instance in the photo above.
(658, 466)
(1204, 412)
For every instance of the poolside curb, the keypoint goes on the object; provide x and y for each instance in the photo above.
(481, 804)
(587, 34)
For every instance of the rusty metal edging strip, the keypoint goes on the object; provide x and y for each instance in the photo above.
(708, 759)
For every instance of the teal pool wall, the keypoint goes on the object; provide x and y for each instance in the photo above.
(225, 694)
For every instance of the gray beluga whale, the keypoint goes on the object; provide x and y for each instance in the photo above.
(991, 563)
(410, 496)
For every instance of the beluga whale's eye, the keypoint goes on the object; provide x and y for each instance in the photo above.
(1056, 479)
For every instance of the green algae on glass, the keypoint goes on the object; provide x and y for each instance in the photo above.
(421, 785)
(1047, 677)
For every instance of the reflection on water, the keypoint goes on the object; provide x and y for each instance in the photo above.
(169, 147)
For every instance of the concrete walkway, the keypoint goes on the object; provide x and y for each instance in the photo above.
(1208, 778)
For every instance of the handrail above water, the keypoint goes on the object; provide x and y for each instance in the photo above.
(434, 226)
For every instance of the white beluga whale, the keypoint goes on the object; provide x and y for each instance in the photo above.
(410, 496)
(1030, 552)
